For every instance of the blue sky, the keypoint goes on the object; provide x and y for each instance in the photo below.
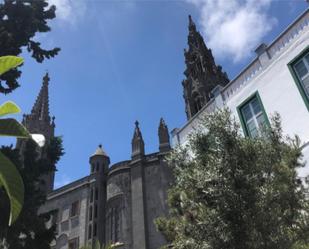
(123, 60)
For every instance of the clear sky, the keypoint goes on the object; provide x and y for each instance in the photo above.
(122, 61)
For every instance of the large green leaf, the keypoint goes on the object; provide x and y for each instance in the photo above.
(13, 184)
(9, 107)
(9, 62)
(11, 127)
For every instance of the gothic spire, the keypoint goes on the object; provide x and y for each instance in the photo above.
(40, 109)
(39, 122)
(164, 138)
(138, 146)
(202, 73)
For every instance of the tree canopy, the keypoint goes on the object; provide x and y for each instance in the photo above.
(234, 192)
(20, 22)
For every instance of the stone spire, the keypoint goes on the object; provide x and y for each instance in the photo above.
(40, 122)
(202, 73)
(138, 146)
(164, 138)
(40, 109)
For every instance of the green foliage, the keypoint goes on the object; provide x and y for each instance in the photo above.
(9, 176)
(98, 246)
(233, 192)
(20, 22)
(33, 226)
(9, 62)
(11, 127)
(8, 107)
(13, 184)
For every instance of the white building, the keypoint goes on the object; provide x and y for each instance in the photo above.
(277, 80)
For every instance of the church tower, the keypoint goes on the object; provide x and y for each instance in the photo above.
(99, 163)
(202, 73)
(40, 122)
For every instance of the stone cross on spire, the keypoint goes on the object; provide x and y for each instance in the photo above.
(41, 106)
(137, 131)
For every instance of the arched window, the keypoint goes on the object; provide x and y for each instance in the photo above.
(113, 224)
(95, 210)
(95, 229)
(98, 167)
(96, 194)
(89, 231)
(90, 213)
(91, 195)
(92, 168)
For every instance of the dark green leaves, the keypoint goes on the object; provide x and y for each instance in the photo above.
(232, 192)
(13, 184)
(11, 127)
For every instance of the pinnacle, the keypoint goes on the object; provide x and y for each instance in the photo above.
(100, 152)
(137, 132)
(162, 125)
(46, 78)
(41, 106)
(191, 24)
(161, 120)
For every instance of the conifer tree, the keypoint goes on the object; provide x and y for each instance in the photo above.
(234, 192)
(30, 230)
(20, 22)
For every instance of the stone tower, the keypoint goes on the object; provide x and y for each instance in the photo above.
(202, 73)
(40, 122)
(99, 163)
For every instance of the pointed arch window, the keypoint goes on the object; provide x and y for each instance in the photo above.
(96, 194)
(91, 195)
(113, 229)
(90, 213)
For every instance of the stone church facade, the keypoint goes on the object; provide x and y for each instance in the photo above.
(119, 202)
(114, 203)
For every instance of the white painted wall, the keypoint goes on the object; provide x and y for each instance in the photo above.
(278, 92)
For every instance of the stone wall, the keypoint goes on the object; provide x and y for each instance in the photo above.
(157, 179)
(69, 227)
(119, 193)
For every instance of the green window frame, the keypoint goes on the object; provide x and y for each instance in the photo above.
(252, 115)
(299, 69)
